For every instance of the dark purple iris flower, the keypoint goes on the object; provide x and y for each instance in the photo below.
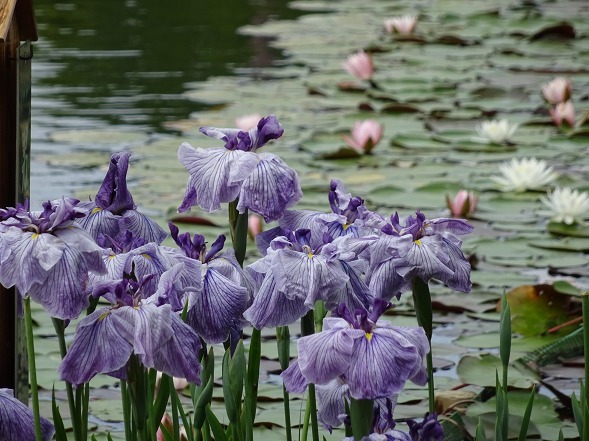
(219, 292)
(429, 429)
(134, 324)
(421, 248)
(294, 275)
(349, 217)
(113, 209)
(17, 421)
(373, 357)
(261, 182)
(47, 255)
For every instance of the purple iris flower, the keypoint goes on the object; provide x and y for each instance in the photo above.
(373, 357)
(17, 421)
(219, 292)
(421, 248)
(126, 254)
(349, 216)
(113, 209)
(145, 326)
(47, 255)
(429, 429)
(293, 276)
(262, 182)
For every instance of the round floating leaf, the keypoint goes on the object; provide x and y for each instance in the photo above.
(480, 370)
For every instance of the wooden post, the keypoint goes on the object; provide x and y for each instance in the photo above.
(17, 24)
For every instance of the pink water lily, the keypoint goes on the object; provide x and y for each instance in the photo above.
(401, 25)
(563, 113)
(365, 135)
(557, 91)
(246, 122)
(464, 204)
(359, 65)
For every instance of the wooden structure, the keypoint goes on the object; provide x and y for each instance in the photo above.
(17, 30)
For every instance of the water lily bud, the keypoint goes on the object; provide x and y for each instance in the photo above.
(464, 204)
(401, 25)
(563, 112)
(254, 225)
(557, 91)
(359, 65)
(247, 122)
(365, 135)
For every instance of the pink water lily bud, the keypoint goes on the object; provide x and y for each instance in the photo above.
(168, 424)
(254, 225)
(359, 65)
(557, 91)
(464, 204)
(563, 113)
(365, 136)
(247, 122)
(401, 25)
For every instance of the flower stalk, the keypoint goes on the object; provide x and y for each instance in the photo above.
(361, 415)
(32, 366)
(422, 301)
(308, 328)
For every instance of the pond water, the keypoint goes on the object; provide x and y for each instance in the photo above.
(112, 63)
(137, 75)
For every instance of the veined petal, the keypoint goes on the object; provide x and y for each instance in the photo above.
(142, 226)
(460, 280)
(385, 282)
(17, 421)
(27, 257)
(273, 308)
(307, 276)
(293, 379)
(217, 307)
(102, 344)
(270, 189)
(381, 364)
(64, 292)
(325, 356)
(209, 183)
(101, 221)
(152, 328)
(178, 356)
(331, 402)
(354, 294)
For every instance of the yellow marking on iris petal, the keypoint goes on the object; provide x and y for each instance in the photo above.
(103, 315)
(369, 336)
(418, 242)
(346, 226)
(34, 236)
(310, 255)
(95, 210)
(147, 256)
(112, 256)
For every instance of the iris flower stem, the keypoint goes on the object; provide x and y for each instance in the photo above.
(361, 416)
(59, 326)
(238, 227)
(585, 390)
(126, 411)
(138, 396)
(283, 342)
(422, 301)
(32, 366)
(308, 328)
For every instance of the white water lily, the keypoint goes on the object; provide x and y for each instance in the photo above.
(566, 205)
(496, 131)
(524, 174)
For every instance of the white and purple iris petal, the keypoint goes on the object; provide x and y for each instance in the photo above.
(428, 249)
(263, 183)
(217, 300)
(17, 422)
(53, 256)
(294, 277)
(374, 357)
(106, 339)
(113, 209)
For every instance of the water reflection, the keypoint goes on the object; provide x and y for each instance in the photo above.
(128, 62)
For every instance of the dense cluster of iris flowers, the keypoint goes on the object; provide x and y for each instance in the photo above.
(352, 259)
